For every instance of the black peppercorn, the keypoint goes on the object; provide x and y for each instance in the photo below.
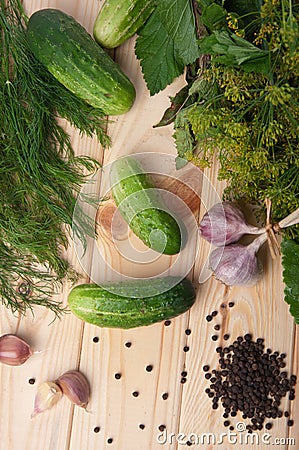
(249, 380)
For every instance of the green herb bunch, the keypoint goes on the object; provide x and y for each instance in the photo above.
(40, 175)
(245, 107)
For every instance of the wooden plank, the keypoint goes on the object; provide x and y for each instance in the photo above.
(59, 343)
(259, 310)
(69, 343)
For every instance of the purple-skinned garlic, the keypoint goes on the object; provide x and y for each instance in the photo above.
(236, 264)
(14, 351)
(75, 386)
(224, 224)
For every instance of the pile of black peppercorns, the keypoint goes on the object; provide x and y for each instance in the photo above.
(252, 381)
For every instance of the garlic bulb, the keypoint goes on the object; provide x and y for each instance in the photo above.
(14, 351)
(48, 394)
(236, 264)
(75, 386)
(224, 224)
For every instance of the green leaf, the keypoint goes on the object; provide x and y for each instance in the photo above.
(167, 43)
(214, 16)
(176, 104)
(290, 258)
(232, 50)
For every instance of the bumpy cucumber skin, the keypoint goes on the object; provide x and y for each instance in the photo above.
(139, 204)
(118, 21)
(72, 56)
(99, 306)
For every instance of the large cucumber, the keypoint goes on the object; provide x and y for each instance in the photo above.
(129, 304)
(118, 20)
(66, 49)
(140, 205)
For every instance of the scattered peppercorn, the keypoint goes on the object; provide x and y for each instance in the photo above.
(226, 423)
(161, 427)
(109, 441)
(214, 337)
(167, 323)
(183, 380)
(184, 373)
(96, 429)
(214, 313)
(231, 304)
(217, 327)
(188, 332)
(149, 368)
(209, 318)
(117, 376)
(31, 380)
(226, 337)
(135, 393)
(268, 426)
(290, 423)
(249, 380)
(141, 426)
(186, 348)
(128, 344)
(165, 396)
(96, 339)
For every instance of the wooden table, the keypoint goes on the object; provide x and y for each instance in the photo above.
(69, 343)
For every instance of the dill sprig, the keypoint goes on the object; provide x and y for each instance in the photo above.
(40, 175)
(247, 117)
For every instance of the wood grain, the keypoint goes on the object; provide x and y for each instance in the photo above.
(69, 343)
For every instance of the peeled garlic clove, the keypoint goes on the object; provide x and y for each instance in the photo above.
(75, 386)
(14, 351)
(236, 264)
(224, 224)
(48, 394)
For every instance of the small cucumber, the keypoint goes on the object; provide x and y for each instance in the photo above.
(65, 48)
(130, 304)
(139, 203)
(118, 21)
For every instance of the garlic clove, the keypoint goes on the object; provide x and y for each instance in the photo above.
(236, 264)
(75, 386)
(48, 394)
(14, 351)
(224, 224)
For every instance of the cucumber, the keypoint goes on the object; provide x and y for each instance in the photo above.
(140, 205)
(118, 21)
(65, 48)
(130, 304)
